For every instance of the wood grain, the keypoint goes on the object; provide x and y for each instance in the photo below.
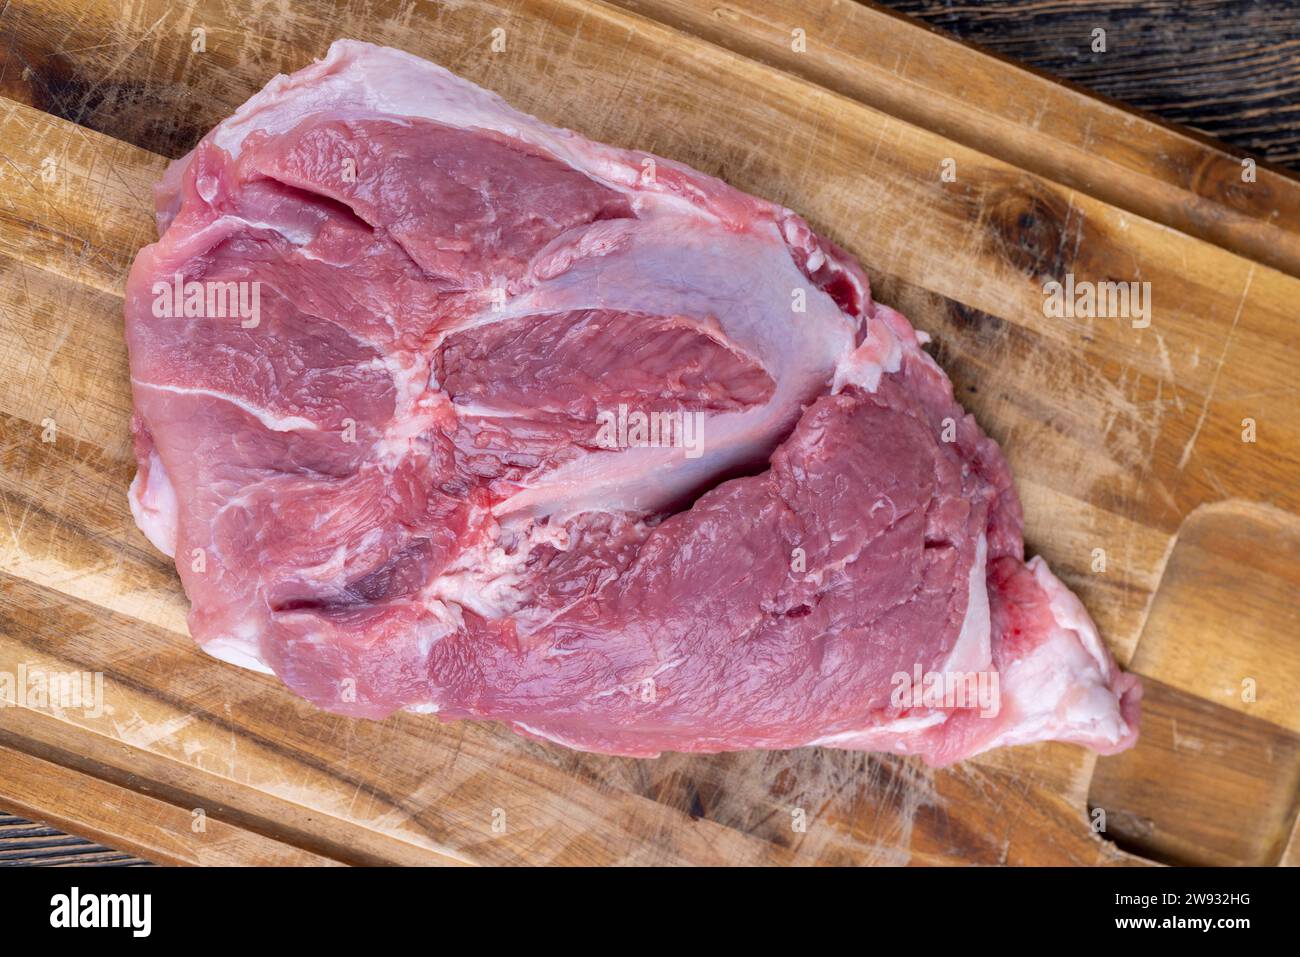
(1117, 435)
(128, 818)
(1226, 67)
(25, 843)
(1131, 162)
(1216, 775)
(1205, 785)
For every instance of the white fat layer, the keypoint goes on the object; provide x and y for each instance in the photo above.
(880, 735)
(154, 506)
(491, 579)
(1061, 691)
(973, 650)
(276, 423)
(237, 651)
(1070, 613)
(546, 736)
(879, 354)
(414, 406)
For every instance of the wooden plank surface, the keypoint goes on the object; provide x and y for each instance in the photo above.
(1131, 162)
(1225, 67)
(25, 843)
(1117, 434)
(124, 816)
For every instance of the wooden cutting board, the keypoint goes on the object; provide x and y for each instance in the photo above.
(1127, 442)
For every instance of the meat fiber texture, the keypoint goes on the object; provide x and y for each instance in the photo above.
(401, 466)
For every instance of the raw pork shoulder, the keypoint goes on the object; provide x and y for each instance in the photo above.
(442, 408)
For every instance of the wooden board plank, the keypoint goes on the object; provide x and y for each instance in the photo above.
(1216, 776)
(1206, 785)
(127, 818)
(1117, 435)
(1133, 162)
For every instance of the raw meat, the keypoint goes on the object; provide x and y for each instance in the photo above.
(407, 468)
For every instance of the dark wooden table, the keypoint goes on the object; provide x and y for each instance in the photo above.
(1223, 67)
(25, 844)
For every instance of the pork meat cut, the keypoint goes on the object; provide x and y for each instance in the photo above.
(441, 408)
